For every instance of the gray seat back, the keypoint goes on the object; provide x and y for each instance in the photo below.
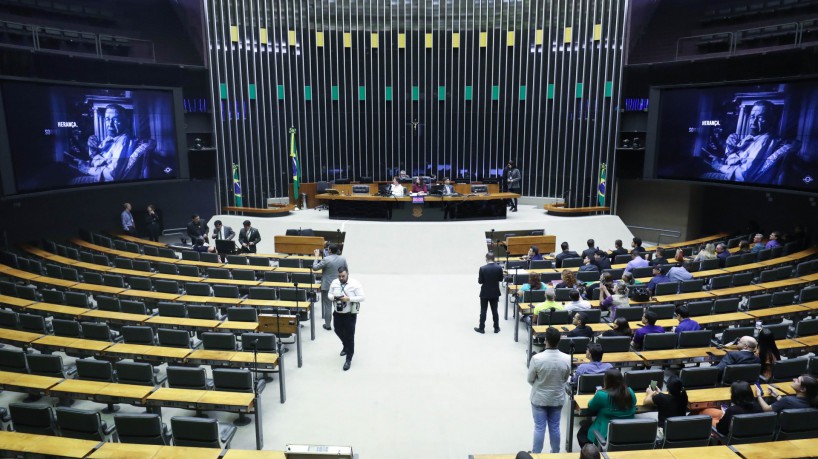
(687, 431)
(631, 434)
(752, 428)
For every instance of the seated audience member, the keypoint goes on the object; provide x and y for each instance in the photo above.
(581, 327)
(588, 265)
(658, 278)
(564, 254)
(806, 396)
(742, 401)
(722, 253)
(636, 261)
(197, 230)
(402, 175)
(745, 353)
(774, 240)
(534, 283)
(767, 352)
(743, 247)
(419, 186)
(569, 280)
(628, 279)
(595, 366)
(649, 320)
(396, 188)
(601, 260)
(618, 250)
(590, 251)
(658, 257)
(619, 327)
(707, 253)
(589, 451)
(636, 245)
(546, 305)
(577, 304)
(680, 256)
(448, 188)
(758, 244)
(533, 254)
(685, 322)
(605, 286)
(617, 299)
(680, 273)
(670, 404)
(614, 401)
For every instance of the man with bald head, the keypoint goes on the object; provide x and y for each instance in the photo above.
(745, 353)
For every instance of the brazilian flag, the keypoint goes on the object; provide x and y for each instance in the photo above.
(600, 190)
(296, 166)
(236, 185)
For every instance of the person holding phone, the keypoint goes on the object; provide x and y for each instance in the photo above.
(614, 401)
(672, 403)
(742, 401)
(806, 395)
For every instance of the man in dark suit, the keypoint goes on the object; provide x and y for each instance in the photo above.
(222, 232)
(489, 278)
(249, 237)
(619, 250)
(590, 251)
(745, 353)
(601, 260)
(197, 231)
(565, 254)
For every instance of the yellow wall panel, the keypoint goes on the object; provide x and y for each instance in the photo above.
(347, 40)
(484, 39)
(455, 40)
(262, 35)
(234, 33)
(319, 39)
(374, 40)
(538, 37)
(429, 40)
(510, 38)
(401, 40)
(597, 32)
(568, 36)
(292, 39)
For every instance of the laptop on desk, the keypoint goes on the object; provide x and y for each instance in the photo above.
(225, 246)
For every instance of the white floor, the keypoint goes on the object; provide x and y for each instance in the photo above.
(422, 383)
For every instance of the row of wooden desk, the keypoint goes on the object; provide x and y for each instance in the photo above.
(150, 397)
(159, 296)
(785, 449)
(162, 354)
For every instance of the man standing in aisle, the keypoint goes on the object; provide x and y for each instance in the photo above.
(347, 294)
(514, 183)
(489, 278)
(128, 224)
(548, 372)
(329, 272)
(249, 237)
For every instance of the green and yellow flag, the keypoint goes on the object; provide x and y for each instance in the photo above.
(296, 166)
(600, 191)
(236, 185)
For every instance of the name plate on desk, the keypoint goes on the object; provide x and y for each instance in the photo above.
(418, 199)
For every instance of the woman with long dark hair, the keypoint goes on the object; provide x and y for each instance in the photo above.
(614, 401)
(619, 327)
(672, 403)
(742, 401)
(767, 352)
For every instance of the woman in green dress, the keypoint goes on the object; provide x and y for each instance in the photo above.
(614, 401)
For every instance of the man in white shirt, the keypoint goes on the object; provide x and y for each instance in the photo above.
(221, 232)
(577, 304)
(547, 374)
(347, 294)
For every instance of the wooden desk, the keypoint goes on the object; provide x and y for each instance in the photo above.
(116, 317)
(301, 245)
(704, 294)
(783, 283)
(519, 245)
(708, 398)
(617, 359)
(148, 294)
(53, 281)
(730, 317)
(45, 445)
(779, 449)
(251, 454)
(673, 356)
(18, 338)
(235, 325)
(744, 289)
(94, 288)
(240, 359)
(19, 273)
(22, 382)
(103, 392)
(202, 399)
(129, 238)
(183, 322)
(810, 341)
(644, 454)
(780, 311)
(141, 351)
(290, 285)
(209, 300)
(708, 452)
(15, 302)
(61, 344)
(789, 344)
(58, 309)
(240, 283)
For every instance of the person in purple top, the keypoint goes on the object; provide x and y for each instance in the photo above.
(649, 319)
(685, 322)
(658, 278)
(636, 261)
(595, 366)
(773, 242)
(722, 253)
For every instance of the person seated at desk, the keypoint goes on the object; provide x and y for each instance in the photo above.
(707, 253)
(673, 403)
(588, 265)
(619, 299)
(758, 243)
(581, 327)
(649, 320)
(680, 273)
(569, 280)
(658, 278)
(806, 396)
(636, 261)
(577, 304)
(685, 322)
(722, 254)
(402, 175)
(658, 257)
(396, 189)
(745, 353)
(534, 283)
(601, 260)
(548, 304)
(595, 366)
(448, 188)
(619, 327)
(614, 401)
(564, 254)
(742, 401)
(419, 186)
(533, 254)
(767, 352)
(618, 250)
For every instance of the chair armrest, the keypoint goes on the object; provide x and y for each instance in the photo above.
(261, 384)
(716, 435)
(4, 416)
(763, 379)
(108, 430)
(226, 433)
(70, 370)
(601, 442)
(160, 380)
